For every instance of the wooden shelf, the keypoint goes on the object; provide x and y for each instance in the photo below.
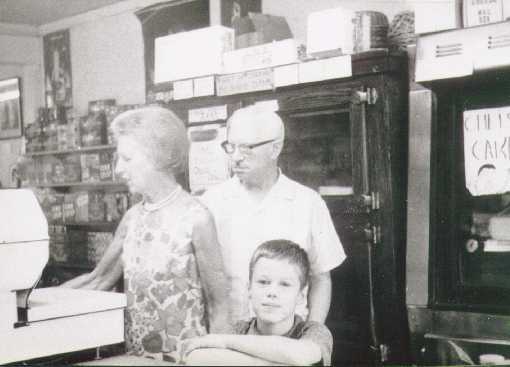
(90, 226)
(54, 264)
(72, 151)
(82, 184)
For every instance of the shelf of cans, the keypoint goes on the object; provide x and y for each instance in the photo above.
(81, 224)
(76, 248)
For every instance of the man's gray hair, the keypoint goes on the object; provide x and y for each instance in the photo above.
(160, 132)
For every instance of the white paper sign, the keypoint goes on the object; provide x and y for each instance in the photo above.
(208, 163)
(487, 150)
(213, 113)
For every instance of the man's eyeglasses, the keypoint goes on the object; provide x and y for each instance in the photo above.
(244, 149)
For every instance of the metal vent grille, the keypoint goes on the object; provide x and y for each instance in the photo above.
(449, 50)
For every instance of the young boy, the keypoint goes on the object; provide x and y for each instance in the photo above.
(278, 275)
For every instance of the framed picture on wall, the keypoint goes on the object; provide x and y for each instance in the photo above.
(57, 69)
(11, 122)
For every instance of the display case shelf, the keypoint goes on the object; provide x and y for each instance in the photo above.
(84, 184)
(90, 226)
(72, 151)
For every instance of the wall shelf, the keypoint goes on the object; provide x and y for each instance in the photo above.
(72, 151)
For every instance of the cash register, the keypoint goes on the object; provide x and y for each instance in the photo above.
(41, 322)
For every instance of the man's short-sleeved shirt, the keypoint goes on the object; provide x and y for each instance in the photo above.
(311, 330)
(289, 211)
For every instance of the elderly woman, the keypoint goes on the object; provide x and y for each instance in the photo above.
(165, 245)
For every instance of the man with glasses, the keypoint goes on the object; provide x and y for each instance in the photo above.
(259, 203)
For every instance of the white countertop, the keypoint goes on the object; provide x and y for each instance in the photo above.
(54, 302)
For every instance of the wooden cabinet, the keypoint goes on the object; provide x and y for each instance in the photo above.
(347, 139)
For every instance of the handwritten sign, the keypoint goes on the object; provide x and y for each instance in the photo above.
(213, 113)
(249, 81)
(208, 163)
(487, 150)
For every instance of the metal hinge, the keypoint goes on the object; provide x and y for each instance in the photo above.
(384, 349)
(373, 234)
(373, 230)
(369, 96)
(372, 201)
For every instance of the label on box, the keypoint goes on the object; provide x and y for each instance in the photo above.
(183, 89)
(286, 75)
(261, 56)
(213, 113)
(332, 68)
(203, 86)
(478, 12)
(249, 81)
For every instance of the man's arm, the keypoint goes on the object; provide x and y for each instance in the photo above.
(274, 348)
(212, 272)
(319, 297)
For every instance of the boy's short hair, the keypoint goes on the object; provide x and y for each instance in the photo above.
(283, 250)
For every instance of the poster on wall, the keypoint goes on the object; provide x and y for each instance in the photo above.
(11, 124)
(57, 69)
(487, 150)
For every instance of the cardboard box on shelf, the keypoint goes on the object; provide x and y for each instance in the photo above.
(90, 171)
(68, 208)
(437, 15)
(479, 12)
(257, 28)
(330, 32)
(262, 56)
(106, 166)
(183, 55)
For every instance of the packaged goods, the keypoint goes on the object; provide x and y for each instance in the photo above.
(82, 206)
(117, 203)
(100, 105)
(106, 166)
(181, 55)
(72, 168)
(57, 201)
(96, 207)
(370, 30)
(58, 243)
(437, 15)
(90, 167)
(58, 170)
(479, 12)
(93, 129)
(68, 208)
(97, 243)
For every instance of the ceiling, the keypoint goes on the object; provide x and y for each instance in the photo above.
(38, 12)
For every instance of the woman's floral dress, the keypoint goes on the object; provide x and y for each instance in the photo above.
(165, 302)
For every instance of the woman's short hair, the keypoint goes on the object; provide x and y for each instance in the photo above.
(161, 133)
(283, 250)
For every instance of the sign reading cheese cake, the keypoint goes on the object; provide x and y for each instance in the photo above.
(487, 150)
